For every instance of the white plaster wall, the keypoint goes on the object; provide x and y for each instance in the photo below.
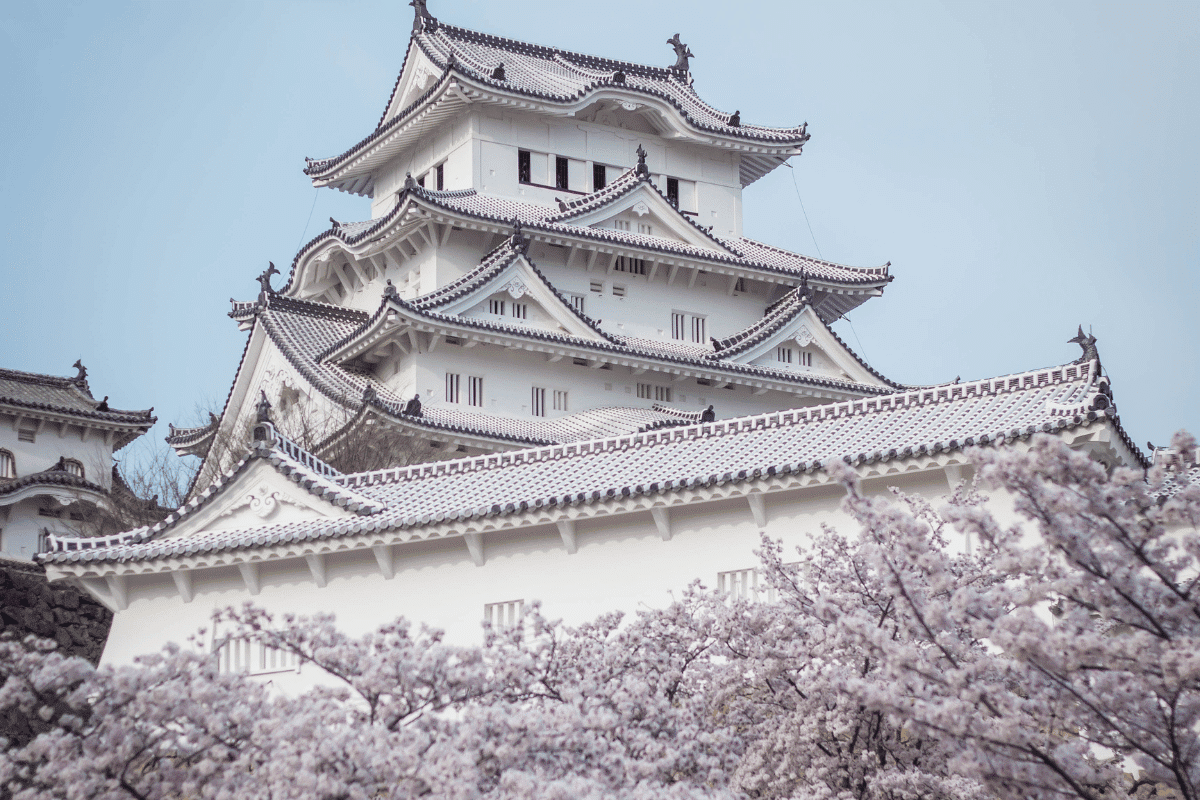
(52, 443)
(622, 563)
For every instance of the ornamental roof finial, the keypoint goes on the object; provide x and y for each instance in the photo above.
(413, 407)
(263, 408)
(422, 19)
(410, 182)
(498, 73)
(389, 291)
(520, 242)
(708, 415)
(682, 54)
(642, 169)
(369, 395)
(264, 280)
(1088, 343)
(735, 119)
(81, 376)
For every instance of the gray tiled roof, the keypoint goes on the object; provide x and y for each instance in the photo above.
(62, 395)
(924, 421)
(559, 76)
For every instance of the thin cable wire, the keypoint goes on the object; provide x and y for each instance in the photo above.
(810, 230)
(317, 193)
(858, 341)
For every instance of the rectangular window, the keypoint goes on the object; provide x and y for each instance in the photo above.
(524, 171)
(538, 404)
(744, 584)
(597, 287)
(645, 391)
(496, 307)
(805, 359)
(254, 658)
(646, 228)
(621, 224)
(576, 302)
(441, 177)
(26, 435)
(452, 384)
(783, 355)
(421, 181)
(475, 391)
(673, 191)
(678, 326)
(662, 394)
(520, 310)
(599, 178)
(636, 266)
(504, 616)
(698, 330)
(618, 291)
(561, 173)
(560, 399)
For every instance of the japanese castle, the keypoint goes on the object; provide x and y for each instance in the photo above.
(608, 390)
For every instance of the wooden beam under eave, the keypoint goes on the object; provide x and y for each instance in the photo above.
(758, 507)
(250, 577)
(316, 566)
(385, 558)
(672, 274)
(474, 542)
(662, 521)
(695, 274)
(118, 590)
(434, 340)
(447, 230)
(183, 584)
(591, 260)
(566, 529)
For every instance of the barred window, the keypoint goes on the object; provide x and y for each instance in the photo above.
(520, 310)
(496, 307)
(74, 467)
(524, 171)
(475, 391)
(8, 465)
(599, 177)
(504, 616)
(453, 381)
(783, 355)
(560, 399)
(538, 402)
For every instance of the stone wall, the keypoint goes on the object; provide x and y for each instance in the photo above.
(29, 604)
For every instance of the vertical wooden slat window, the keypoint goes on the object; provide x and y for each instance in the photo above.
(524, 171)
(475, 391)
(538, 402)
(8, 465)
(698, 329)
(678, 326)
(561, 173)
(599, 177)
(441, 177)
(452, 384)
(560, 400)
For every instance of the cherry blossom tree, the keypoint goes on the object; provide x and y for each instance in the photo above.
(1052, 659)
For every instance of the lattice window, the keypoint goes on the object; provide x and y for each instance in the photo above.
(538, 404)
(662, 394)
(621, 224)
(699, 327)
(475, 391)
(504, 616)
(254, 658)
(644, 391)
(496, 307)
(27, 435)
(8, 465)
(745, 584)
(453, 381)
(646, 228)
(784, 355)
(520, 310)
(805, 359)
(576, 302)
(560, 399)
(74, 467)
(685, 325)
(678, 325)
(635, 266)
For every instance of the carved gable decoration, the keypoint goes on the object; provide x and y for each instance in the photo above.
(259, 495)
(643, 210)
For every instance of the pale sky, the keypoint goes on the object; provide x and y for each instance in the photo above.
(1025, 166)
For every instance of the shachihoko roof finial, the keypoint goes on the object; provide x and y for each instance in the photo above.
(81, 376)
(422, 19)
(498, 73)
(708, 415)
(410, 182)
(520, 242)
(263, 408)
(264, 280)
(389, 291)
(413, 407)
(682, 54)
(103, 406)
(1088, 343)
(369, 395)
(735, 119)
(618, 76)
(642, 169)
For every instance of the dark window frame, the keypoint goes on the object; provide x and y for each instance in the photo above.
(599, 177)
(673, 191)
(524, 167)
(562, 173)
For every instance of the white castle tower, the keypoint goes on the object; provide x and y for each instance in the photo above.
(611, 392)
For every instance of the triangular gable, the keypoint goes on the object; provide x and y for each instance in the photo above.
(417, 76)
(635, 205)
(519, 285)
(801, 342)
(266, 489)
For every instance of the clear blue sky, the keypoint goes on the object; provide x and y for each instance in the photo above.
(1025, 166)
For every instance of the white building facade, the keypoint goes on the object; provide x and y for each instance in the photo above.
(554, 299)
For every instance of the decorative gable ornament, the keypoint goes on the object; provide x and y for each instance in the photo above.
(516, 288)
(804, 337)
(262, 502)
(641, 209)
